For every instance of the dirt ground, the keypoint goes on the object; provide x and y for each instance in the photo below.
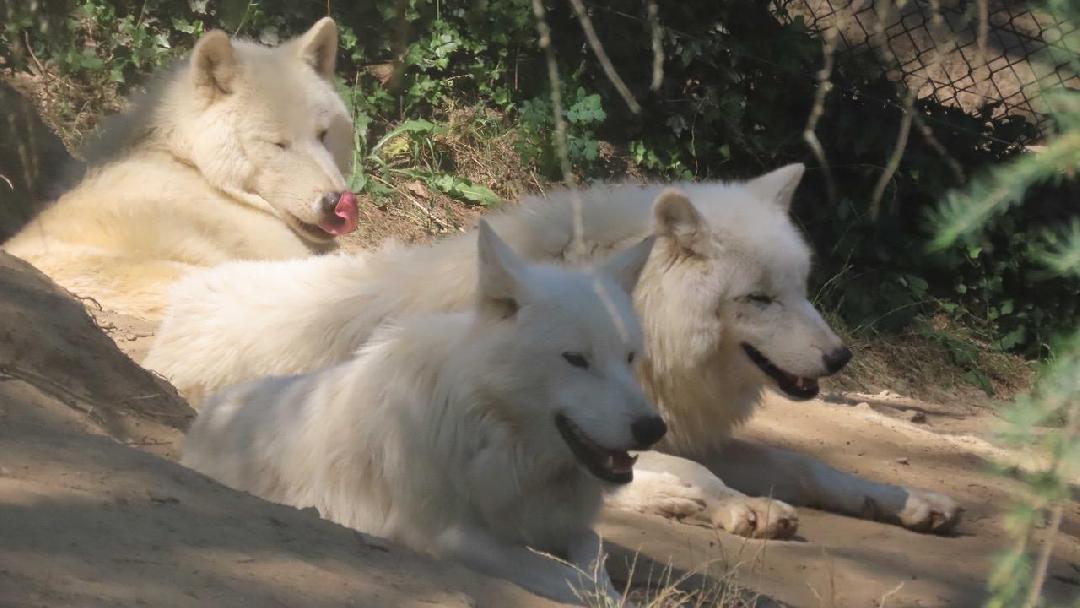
(842, 561)
(94, 511)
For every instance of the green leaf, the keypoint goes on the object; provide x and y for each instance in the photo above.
(89, 61)
(359, 181)
(463, 189)
(1013, 338)
(586, 111)
(417, 125)
(916, 284)
(479, 194)
(980, 380)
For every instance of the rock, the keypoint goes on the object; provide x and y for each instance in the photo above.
(61, 368)
(915, 416)
(72, 537)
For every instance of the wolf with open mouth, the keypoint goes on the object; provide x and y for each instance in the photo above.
(478, 436)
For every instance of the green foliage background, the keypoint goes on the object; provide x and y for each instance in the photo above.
(1046, 421)
(737, 90)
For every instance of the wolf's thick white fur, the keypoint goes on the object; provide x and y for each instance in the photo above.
(192, 176)
(442, 432)
(729, 269)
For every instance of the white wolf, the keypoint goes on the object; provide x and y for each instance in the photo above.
(722, 301)
(474, 436)
(240, 152)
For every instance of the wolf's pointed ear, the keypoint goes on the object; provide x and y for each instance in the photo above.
(318, 47)
(500, 270)
(213, 64)
(626, 266)
(778, 186)
(677, 219)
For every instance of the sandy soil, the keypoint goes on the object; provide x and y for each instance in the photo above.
(93, 512)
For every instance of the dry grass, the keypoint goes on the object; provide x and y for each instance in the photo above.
(710, 584)
(478, 145)
(484, 149)
(70, 107)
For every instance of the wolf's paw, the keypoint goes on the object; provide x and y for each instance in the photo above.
(929, 512)
(756, 517)
(661, 494)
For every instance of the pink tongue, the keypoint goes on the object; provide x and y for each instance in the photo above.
(347, 210)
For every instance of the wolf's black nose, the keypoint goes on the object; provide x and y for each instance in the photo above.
(328, 203)
(648, 431)
(837, 358)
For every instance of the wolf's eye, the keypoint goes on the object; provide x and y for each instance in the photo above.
(576, 359)
(630, 358)
(281, 144)
(322, 135)
(760, 298)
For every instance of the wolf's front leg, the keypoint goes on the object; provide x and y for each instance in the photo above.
(802, 480)
(542, 575)
(678, 488)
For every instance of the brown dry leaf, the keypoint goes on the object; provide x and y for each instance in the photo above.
(382, 72)
(418, 189)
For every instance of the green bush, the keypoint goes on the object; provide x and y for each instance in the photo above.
(737, 90)
(1047, 421)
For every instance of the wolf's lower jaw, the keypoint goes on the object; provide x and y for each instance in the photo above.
(613, 466)
(309, 232)
(795, 387)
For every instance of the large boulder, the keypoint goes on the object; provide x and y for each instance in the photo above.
(94, 513)
(59, 369)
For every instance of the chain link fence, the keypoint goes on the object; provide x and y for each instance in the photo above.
(936, 48)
